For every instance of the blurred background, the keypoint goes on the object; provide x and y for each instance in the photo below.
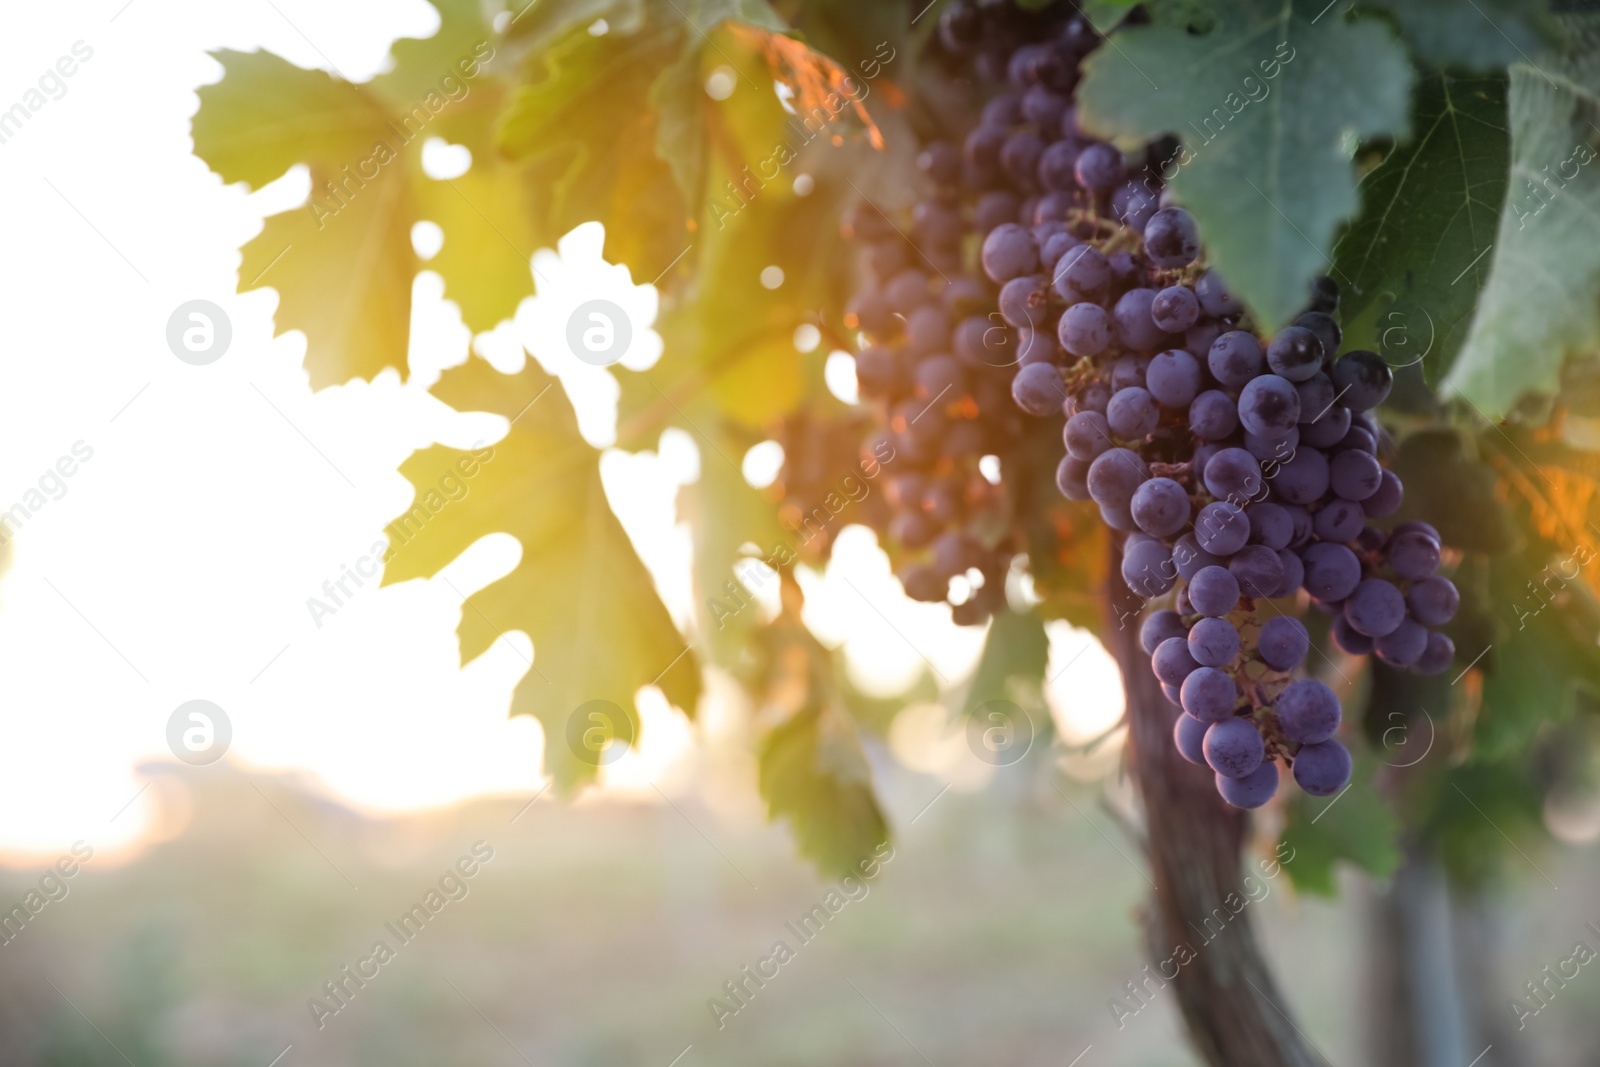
(209, 505)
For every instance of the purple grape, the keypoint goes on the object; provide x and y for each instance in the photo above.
(1438, 656)
(1190, 558)
(1213, 642)
(1019, 158)
(1308, 711)
(1024, 301)
(1304, 478)
(1171, 661)
(1037, 389)
(1233, 747)
(1433, 601)
(1094, 397)
(1099, 168)
(1354, 475)
(1147, 568)
(1418, 526)
(1316, 396)
(1370, 539)
(1326, 327)
(1322, 769)
(1213, 591)
(1222, 528)
(1082, 274)
(1362, 380)
(1056, 167)
(1173, 378)
(1328, 427)
(1258, 569)
(1087, 434)
(1009, 252)
(1294, 573)
(995, 209)
(1133, 204)
(1132, 413)
(1172, 694)
(1339, 521)
(1332, 571)
(1235, 359)
(1161, 507)
(1114, 476)
(1272, 450)
(1270, 525)
(1127, 372)
(1233, 474)
(1175, 308)
(1136, 330)
(1004, 110)
(1214, 296)
(1171, 238)
(1376, 608)
(1413, 555)
(1358, 439)
(1119, 518)
(1301, 518)
(1188, 733)
(1324, 296)
(1295, 353)
(927, 330)
(1283, 643)
(1084, 330)
(1043, 108)
(1386, 501)
(1346, 638)
(1269, 406)
(941, 162)
(908, 290)
(1251, 791)
(1158, 626)
(1404, 646)
(1072, 478)
(1213, 415)
(1208, 694)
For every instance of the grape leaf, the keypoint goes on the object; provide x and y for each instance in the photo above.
(1443, 34)
(1475, 811)
(1015, 651)
(1539, 305)
(1354, 825)
(814, 775)
(599, 629)
(1268, 179)
(343, 263)
(1412, 264)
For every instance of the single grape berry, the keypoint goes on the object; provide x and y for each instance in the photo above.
(1208, 694)
(1308, 711)
(1433, 601)
(1009, 252)
(1175, 308)
(1161, 507)
(1171, 238)
(1188, 733)
(1251, 791)
(1213, 642)
(1375, 608)
(1084, 329)
(1362, 379)
(1158, 626)
(1322, 769)
(1233, 747)
(1283, 643)
(1295, 353)
(1213, 591)
(1213, 415)
(1269, 406)
(1172, 662)
(1114, 476)
(1037, 389)
(1173, 378)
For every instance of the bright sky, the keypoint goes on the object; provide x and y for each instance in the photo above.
(207, 503)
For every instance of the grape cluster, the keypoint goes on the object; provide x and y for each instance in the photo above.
(1048, 272)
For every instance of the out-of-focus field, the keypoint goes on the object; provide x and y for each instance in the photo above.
(598, 932)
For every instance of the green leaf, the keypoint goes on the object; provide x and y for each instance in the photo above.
(444, 61)
(599, 629)
(1443, 34)
(1268, 179)
(1013, 662)
(1412, 264)
(1539, 306)
(815, 776)
(1355, 825)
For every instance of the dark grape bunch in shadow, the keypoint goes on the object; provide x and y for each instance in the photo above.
(1048, 280)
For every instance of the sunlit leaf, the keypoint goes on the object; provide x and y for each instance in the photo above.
(598, 627)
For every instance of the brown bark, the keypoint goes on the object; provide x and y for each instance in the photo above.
(1235, 1013)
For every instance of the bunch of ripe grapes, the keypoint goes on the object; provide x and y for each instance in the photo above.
(1047, 280)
